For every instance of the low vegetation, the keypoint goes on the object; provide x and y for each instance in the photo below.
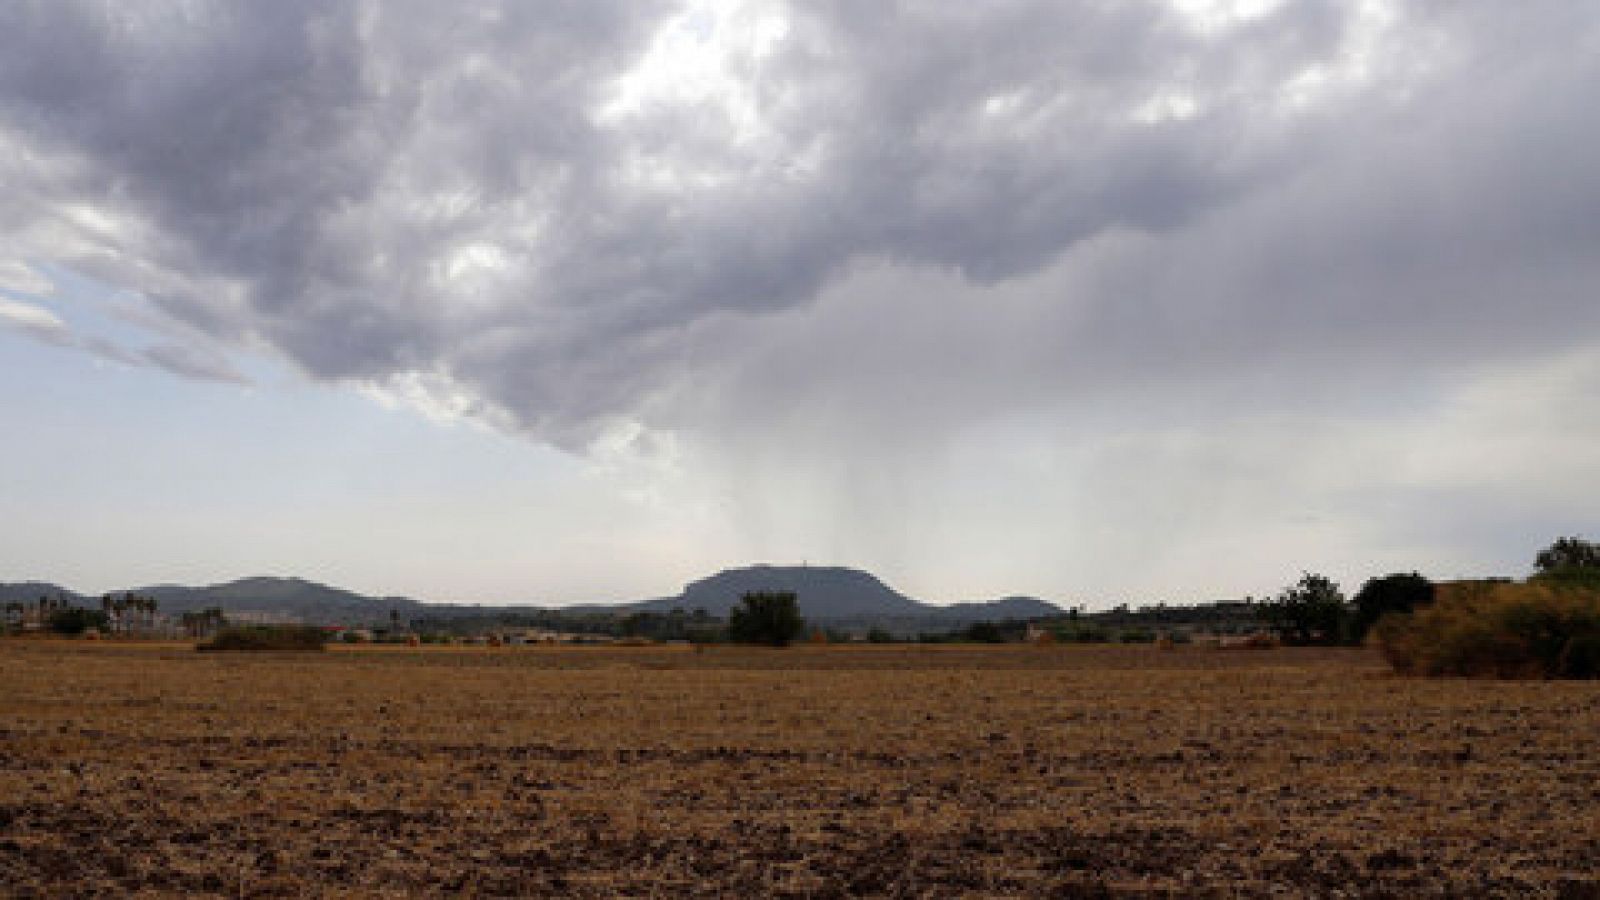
(1546, 627)
(279, 638)
(1534, 630)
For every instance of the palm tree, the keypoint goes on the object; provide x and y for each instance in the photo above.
(135, 609)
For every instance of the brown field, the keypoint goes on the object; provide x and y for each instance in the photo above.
(810, 772)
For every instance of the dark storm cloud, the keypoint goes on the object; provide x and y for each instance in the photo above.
(1381, 234)
(475, 194)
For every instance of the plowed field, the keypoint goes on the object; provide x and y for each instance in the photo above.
(808, 772)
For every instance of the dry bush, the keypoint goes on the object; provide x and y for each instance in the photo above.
(1534, 630)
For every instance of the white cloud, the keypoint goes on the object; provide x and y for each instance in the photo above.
(29, 317)
(18, 277)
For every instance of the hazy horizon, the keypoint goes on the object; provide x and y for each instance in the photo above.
(1089, 603)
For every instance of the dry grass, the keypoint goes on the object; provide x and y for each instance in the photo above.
(1539, 629)
(813, 771)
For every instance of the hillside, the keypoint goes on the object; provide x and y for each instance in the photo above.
(823, 592)
(840, 595)
(297, 597)
(30, 592)
(1004, 608)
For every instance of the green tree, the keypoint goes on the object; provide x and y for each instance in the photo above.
(1570, 561)
(766, 617)
(1568, 553)
(76, 620)
(1397, 593)
(1313, 611)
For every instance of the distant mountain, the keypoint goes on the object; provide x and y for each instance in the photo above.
(31, 591)
(824, 592)
(297, 597)
(827, 594)
(836, 594)
(1004, 608)
(305, 600)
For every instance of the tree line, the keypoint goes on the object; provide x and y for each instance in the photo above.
(1315, 611)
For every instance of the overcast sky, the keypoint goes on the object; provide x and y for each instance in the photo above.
(572, 301)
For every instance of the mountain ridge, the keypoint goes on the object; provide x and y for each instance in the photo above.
(826, 594)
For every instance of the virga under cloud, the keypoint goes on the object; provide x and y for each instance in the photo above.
(779, 236)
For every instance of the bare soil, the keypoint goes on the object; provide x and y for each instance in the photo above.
(809, 772)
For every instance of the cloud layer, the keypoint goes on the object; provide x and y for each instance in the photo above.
(783, 236)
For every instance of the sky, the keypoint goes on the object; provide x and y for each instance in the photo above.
(558, 302)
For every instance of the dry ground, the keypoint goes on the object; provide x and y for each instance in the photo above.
(822, 772)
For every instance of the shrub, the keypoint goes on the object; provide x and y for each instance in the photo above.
(1569, 578)
(266, 638)
(1083, 633)
(1580, 657)
(1534, 630)
(984, 633)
